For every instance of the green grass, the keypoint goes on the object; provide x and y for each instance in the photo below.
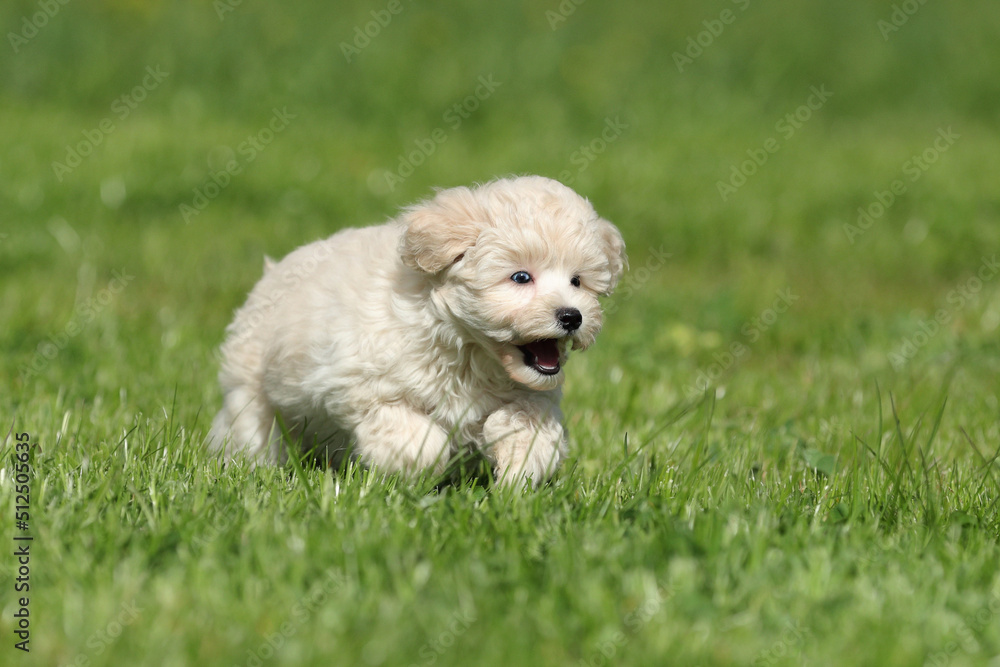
(747, 486)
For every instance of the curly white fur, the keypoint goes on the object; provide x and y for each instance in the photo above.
(407, 340)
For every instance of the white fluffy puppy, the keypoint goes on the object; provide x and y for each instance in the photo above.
(448, 326)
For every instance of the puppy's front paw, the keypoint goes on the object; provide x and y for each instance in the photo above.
(525, 443)
(398, 439)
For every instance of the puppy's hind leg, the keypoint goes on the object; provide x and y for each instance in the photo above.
(396, 438)
(246, 425)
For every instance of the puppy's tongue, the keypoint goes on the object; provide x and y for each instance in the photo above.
(545, 355)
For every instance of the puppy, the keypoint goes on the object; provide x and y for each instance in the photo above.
(446, 327)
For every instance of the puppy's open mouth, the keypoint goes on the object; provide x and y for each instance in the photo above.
(542, 355)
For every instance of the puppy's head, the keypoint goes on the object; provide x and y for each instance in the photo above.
(518, 264)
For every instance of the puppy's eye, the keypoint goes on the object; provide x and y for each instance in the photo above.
(575, 281)
(521, 277)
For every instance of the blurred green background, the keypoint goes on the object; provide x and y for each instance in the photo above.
(564, 71)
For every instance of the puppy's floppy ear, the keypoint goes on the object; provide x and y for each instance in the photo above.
(614, 250)
(438, 231)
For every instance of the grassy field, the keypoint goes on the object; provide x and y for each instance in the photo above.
(785, 442)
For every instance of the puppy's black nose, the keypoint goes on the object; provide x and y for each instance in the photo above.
(569, 318)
